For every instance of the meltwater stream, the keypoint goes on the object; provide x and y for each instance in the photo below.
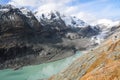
(38, 72)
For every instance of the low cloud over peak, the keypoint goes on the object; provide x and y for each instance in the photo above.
(88, 10)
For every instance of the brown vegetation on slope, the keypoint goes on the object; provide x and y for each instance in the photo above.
(102, 63)
(111, 68)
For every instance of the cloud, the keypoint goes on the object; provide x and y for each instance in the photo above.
(31, 3)
(36, 3)
(86, 17)
(87, 10)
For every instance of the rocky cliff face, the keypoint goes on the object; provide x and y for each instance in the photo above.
(16, 33)
(101, 63)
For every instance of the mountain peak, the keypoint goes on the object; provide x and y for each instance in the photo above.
(26, 11)
(54, 14)
(6, 8)
(47, 14)
(106, 22)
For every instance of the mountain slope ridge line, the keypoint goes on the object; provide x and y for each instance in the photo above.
(104, 59)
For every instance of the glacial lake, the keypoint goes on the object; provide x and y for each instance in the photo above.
(37, 72)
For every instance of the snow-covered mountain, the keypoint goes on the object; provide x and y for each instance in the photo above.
(68, 24)
(14, 18)
(107, 27)
(53, 19)
(26, 12)
(54, 15)
(59, 21)
(6, 7)
(105, 24)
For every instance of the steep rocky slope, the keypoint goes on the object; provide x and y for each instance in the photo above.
(17, 34)
(101, 63)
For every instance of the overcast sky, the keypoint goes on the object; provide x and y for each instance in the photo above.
(87, 10)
